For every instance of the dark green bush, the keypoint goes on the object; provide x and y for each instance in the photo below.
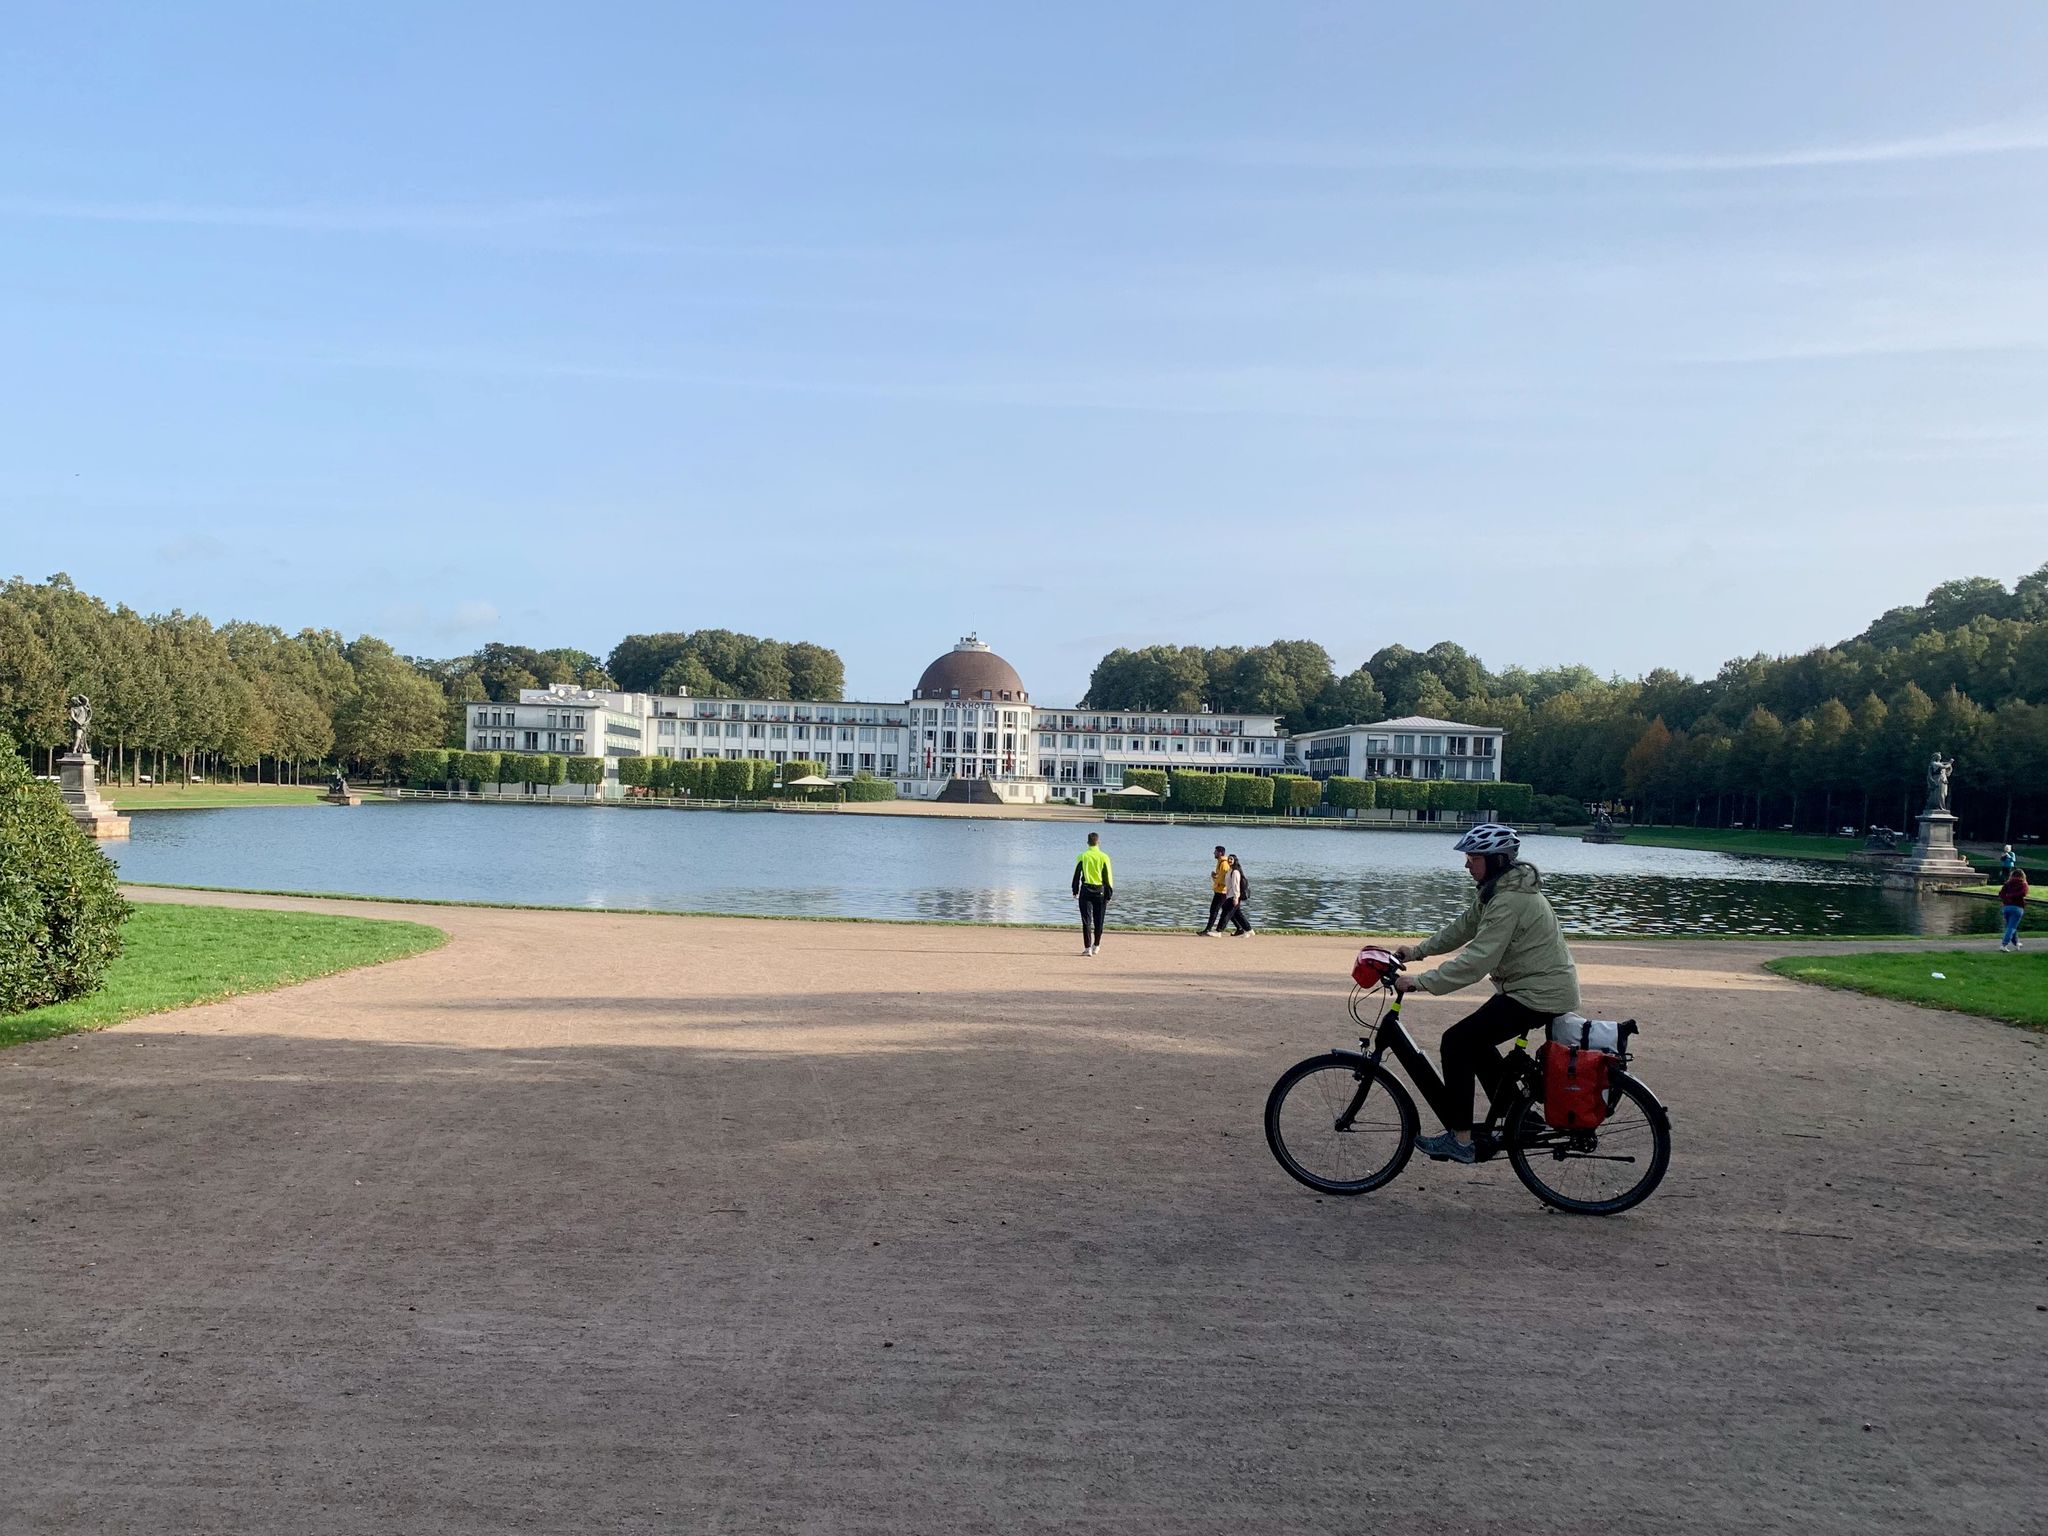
(1454, 795)
(1197, 790)
(1348, 794)
(1245, 794)
(1562, 809)
(1401, 794)
(865, 786)
(586, 770)
(1153, 779)
(1512, 802)
(1295, 792)
(60, 910)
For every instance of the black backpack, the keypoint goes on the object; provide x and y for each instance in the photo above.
(1244, 884)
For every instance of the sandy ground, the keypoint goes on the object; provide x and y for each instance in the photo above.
(636, 1224)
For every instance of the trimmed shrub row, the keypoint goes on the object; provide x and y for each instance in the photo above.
(1201, 789)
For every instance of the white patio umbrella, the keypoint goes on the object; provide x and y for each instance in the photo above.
(808, 781)
(1133, 789)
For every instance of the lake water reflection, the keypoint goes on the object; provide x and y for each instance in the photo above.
(958, 870)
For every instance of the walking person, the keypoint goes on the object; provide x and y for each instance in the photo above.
(1093, 886)
(2008, 861)
(1219, 893)
(1238, 889)
(2013, 897)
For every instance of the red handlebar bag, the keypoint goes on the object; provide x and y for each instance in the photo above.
(1574, 1086)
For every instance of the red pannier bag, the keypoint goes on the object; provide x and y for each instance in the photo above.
(1574, 1086)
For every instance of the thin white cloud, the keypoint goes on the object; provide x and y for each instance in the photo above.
(339, 218)
(1968, 142)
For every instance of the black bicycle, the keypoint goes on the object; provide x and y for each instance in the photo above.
(1343, 1124)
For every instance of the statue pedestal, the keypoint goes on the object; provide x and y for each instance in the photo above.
(81, 792)
(1604, 835)
(341, 797)
(1933, 860)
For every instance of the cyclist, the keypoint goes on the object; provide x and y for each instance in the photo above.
(1510, 933)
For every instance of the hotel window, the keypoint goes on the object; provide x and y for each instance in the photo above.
(1113, 744)
(1068, 742)
(988, 741)
(778, 733)
(949, 740)
(1179, 745)
(1432, 746)
(1047, 743)
(1202, 745)
(1459, 745)
(1091, 743)
(1375, 743)
(1404, 768)
(888, 762)
(867, 761)
(1483, 746)
(1404, 743)
(846, 733)
(988, 767)
(1091, 772)
(1248, 747)
(867, 733)
(803, 733)
(757, 732)
(1270, 748)
(1045, 768)
(1376, 767)
(1158, 743)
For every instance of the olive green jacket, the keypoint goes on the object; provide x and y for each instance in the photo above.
(1514, 938)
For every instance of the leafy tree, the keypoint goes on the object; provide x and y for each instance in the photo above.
(60, 905)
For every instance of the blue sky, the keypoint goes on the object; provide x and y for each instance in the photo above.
(1618, 334)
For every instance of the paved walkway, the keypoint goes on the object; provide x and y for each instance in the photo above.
(635, 1224)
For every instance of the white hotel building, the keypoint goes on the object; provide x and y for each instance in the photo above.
(968, 731)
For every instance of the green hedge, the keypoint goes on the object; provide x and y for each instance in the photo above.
(1153, 779)
(1295, 792)
(1348, 794)
(1196, 790)
(1454, 795)
(429, 766)
(865, 786)
(60, 910)
(549, 768)
(731, 778)
(1245, 794)
(1512, 802)
(638, 772)
(1401, 794)
(804, 768)
(586, 770)
(474, 767)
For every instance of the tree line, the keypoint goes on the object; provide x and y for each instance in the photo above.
(1837, 735)
(176, 691)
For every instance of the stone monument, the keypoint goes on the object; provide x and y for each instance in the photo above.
(75, 780)
(1604, 830)
(338, 792)
(1932, 860)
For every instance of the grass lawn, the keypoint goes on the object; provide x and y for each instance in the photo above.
(1982, 981)
(207, 797)
(1796, 845)
(174, 956)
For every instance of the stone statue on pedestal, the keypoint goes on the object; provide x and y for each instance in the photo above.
(75, 781)
(1937, 782)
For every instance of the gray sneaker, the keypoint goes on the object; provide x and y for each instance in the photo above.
(1445, 1148)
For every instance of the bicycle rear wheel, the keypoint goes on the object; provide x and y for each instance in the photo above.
(1598, 1172)
(1340, 1124)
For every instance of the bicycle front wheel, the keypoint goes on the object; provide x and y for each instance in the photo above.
(1592, 1173)
(1340, 1124)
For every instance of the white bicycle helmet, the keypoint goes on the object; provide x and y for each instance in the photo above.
(1489, 837)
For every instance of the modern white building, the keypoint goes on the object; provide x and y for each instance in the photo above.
(1412, 747)
(968, 730)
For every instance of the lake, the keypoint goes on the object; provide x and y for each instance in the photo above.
(955, 869)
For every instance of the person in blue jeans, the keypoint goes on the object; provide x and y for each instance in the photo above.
(2013, 896)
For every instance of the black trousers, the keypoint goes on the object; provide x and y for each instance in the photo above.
(1471, 1052)
(1235, 912)
(1094, 905)
(1219, 905)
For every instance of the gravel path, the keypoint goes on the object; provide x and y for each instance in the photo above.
(591, 1223)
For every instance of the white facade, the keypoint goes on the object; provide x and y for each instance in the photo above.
(969, 721)
(1411, 747)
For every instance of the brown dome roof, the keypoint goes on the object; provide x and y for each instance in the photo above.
(971, 671)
